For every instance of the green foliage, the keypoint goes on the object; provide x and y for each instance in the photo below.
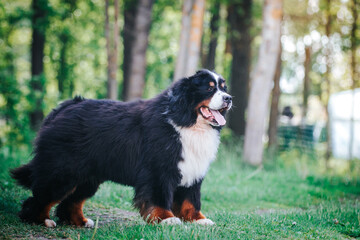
(75, 62)
(163, 47)
(13, 119)
(35, 93)
(15, 129)
(75, 58)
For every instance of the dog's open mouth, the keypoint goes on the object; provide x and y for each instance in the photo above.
(213, 116)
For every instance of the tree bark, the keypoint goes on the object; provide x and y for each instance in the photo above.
(190, 38)
(65, 82)
(63, 71)
(39, 24)
(354, 45)
(138, 51)
(128, 38)
(354, 74)
(261, 83)
(306, 90)
(274, 111)
(112, 50)
(214, 29)
(328, 83)
(240, 39)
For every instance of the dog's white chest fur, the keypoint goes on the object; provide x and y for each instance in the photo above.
(199, 148)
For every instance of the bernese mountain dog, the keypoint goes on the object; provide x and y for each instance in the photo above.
(162, 147)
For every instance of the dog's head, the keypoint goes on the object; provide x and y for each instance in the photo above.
(201, 95)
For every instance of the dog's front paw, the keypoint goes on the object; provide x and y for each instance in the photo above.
(171, 221)
(205, 221)
(49, 223)
(89, 223)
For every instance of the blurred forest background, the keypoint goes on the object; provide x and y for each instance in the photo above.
(283, 61)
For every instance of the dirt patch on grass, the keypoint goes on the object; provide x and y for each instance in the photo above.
(112, 215)
(282, 211)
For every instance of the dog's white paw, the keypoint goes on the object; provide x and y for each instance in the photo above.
(171, 221)
(50, 223)
(205, 222)
(89, 223)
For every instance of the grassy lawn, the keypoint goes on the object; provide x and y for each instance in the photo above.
(278, 201)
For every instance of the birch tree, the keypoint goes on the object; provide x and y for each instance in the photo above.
(307, 83)
(328, 61)
(354, 74)
(262, 82)
(274, 111)
(190, 38)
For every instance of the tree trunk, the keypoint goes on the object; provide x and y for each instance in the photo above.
(113, 85)
(240, 39)
(354, 75)
(306, 90)
(214, 29)
(65, 82)
(128, 38)
(274, 111)
(354, 45)
(39, 24)
(328, 83)
(261, 83)
(138, 51)
(112, 50)
(63, 71)
(190, 38)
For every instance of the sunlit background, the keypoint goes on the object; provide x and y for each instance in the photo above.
(304, 28)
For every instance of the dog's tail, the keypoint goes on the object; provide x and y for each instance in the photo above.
(61, 107)
(22, 175)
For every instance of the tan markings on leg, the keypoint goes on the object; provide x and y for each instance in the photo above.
(187, 211)
(76, 214)
(176, 208)
(45, 213)
(155, 214)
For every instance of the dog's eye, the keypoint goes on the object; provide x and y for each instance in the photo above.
(210, 89)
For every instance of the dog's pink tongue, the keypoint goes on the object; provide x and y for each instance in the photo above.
(218, 117)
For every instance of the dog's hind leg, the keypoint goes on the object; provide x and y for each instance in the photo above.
(36, 209)
(70, 209)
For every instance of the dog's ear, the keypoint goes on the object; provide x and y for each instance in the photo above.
(196, 79)
(181, 111)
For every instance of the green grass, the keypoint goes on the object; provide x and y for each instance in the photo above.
(270, 203)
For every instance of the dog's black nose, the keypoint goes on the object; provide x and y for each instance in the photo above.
(227, 99)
